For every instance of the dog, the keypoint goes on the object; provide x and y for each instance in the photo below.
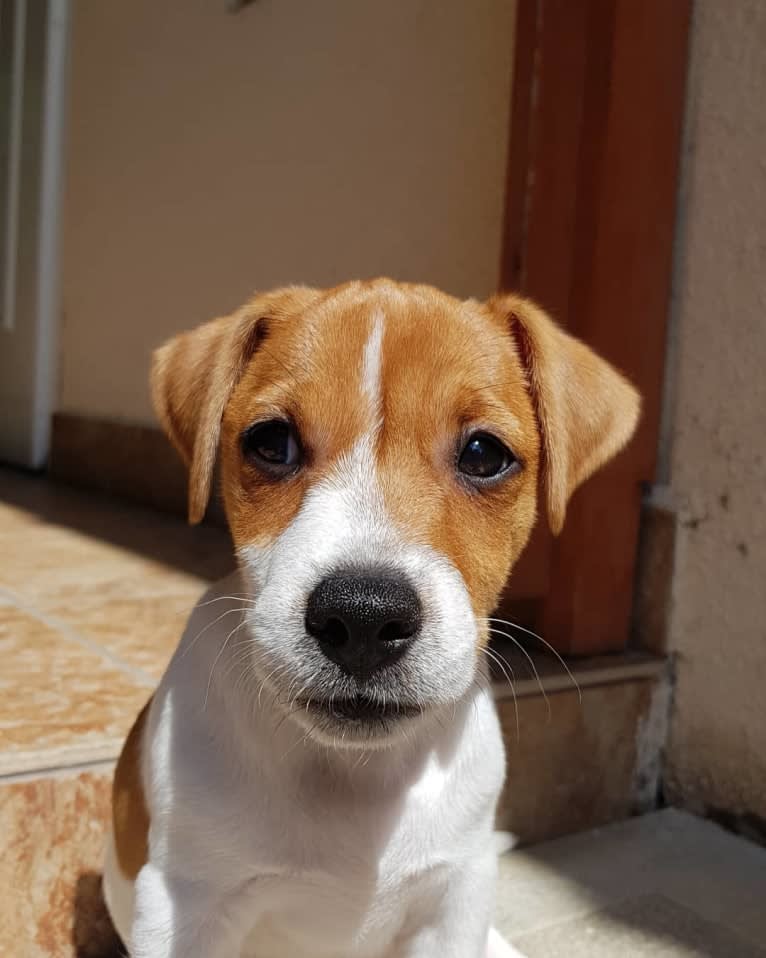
(317, 773)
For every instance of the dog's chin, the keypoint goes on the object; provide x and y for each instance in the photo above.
(356, 721)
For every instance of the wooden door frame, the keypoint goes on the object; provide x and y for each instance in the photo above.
(596, 120)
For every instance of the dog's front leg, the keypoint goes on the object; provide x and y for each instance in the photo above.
(454, 924)
(186, 918)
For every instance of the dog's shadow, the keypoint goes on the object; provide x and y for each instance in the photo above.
(93, 934)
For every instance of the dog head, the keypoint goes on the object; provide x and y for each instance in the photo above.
(380, 446)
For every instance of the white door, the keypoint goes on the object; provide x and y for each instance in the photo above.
(33, 48)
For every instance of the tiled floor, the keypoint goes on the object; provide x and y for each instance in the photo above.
(93, 596)
(667, 885)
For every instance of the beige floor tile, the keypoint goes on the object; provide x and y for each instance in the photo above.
(142, 631)
(603, 888)
(50, 566)
(118, 575)
(61, 703)
(651, 926)
(53, 839)
(203, 552)
(133, 606)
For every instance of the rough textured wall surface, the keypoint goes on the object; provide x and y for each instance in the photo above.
(716, 451)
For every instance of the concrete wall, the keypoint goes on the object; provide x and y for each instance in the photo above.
(716, 443)
(211, 154)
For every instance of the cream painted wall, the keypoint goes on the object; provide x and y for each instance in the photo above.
(297, 141)
(717, 443)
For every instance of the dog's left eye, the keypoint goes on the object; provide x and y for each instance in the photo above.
(273, 446)
(484, 457)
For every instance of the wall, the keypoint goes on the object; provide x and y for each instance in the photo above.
(716, 448)
(296, 141)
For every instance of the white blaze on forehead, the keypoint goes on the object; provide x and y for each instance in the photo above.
(372, 363)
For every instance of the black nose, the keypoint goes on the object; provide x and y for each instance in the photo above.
(363, 620)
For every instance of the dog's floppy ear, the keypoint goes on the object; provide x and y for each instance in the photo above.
(193, 375)
(586, 410)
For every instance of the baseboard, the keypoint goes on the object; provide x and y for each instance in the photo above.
(136, 463)
(579, 761)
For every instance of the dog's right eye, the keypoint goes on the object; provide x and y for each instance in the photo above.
(273, 447)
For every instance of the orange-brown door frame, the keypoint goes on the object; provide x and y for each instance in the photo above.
(596, 123)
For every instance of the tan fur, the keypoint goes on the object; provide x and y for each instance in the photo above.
(446, 364)
(194, 374)
(586, 410)
(130, 818)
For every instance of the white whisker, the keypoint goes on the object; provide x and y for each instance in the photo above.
(529, 659)
(496, 658)
(231, 598)
(215, 660)
(210, 625)
(515, 625)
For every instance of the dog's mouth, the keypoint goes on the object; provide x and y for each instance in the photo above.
(361, 709)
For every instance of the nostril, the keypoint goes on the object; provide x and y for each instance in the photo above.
(334, 633)
(397, 631)
(331, 630)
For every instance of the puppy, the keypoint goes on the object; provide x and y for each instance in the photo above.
(317, 773)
